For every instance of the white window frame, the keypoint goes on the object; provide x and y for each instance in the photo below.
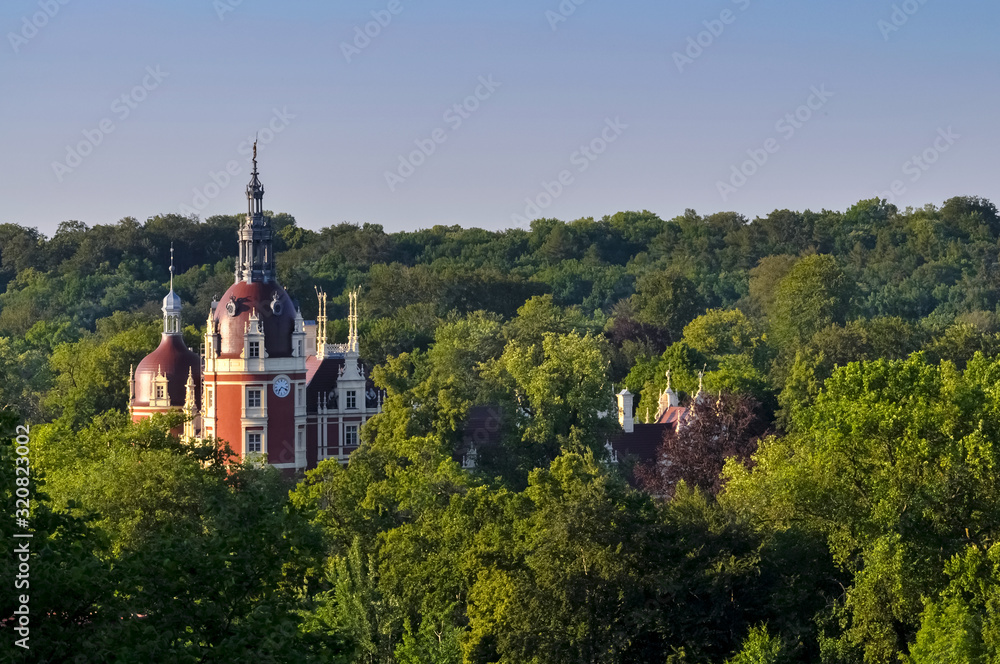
(260, 442)
(351, 435)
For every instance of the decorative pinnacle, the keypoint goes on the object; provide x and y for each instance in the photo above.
(171, 266)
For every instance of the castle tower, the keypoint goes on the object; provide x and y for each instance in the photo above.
(255, 373)
(170, 376)
(262, 387)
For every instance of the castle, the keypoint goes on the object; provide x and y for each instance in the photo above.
(268, 383)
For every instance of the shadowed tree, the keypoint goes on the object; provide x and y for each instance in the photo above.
(728, 427)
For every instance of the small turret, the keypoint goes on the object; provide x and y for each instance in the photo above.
(190, 406)
(668, 399)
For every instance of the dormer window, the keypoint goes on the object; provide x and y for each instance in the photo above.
(351, 400)
(253, 349)
(160, 392)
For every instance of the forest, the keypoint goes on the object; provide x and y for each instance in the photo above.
(838, 502)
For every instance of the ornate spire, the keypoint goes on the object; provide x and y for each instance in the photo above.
(131, 387)
(172, 303)
(256, 259)
(255, 190)
(190, 406)
(321, 322)
(352, 321)
(700, 396)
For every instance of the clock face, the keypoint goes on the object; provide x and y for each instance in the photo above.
(281, 387)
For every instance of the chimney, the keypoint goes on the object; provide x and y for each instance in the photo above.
(625, 417)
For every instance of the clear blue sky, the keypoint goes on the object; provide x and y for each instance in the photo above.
(687, 125)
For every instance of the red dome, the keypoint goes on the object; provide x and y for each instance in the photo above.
(274, 308)
(174, 359)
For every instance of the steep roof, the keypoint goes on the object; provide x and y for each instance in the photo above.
(644, 441)
(672, 415)
(173, 359)
(278, 320)
(322, 376)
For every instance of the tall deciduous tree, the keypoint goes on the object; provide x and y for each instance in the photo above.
(669, 300)
(814, 294)
(894, 464)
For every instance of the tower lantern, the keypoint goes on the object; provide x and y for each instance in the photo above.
(256, 260)
(172, 303)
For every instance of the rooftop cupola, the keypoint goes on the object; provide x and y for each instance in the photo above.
(172, 304)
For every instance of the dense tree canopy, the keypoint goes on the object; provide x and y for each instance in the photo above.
(836, 498)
